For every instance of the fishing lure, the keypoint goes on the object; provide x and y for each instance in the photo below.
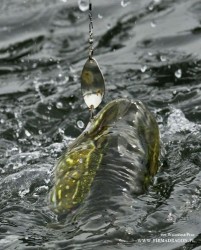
(92, 80)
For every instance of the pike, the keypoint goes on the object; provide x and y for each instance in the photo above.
(78, 166)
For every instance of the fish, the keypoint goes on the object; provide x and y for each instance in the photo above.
(121, 120)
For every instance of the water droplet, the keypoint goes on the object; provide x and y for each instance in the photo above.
(62, 80)
(34, 65)
(59, 105)
(151, 7)
(83, 5)
(64, 1)
(153, 24)
(80, 124)
(72, 105)
(178, 73)
(174, 92)
(125, 3)
(100, 16)
(27, 133)
(163, 58)
(49, 107)
(16, 115)
(66, 79)
(143, 68)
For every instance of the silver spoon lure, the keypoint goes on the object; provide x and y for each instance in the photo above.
(92, 80)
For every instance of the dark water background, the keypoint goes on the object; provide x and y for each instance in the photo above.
(148, 50)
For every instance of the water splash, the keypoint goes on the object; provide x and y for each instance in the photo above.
(25, 64)
(177, 123)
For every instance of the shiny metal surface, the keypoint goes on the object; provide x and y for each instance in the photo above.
(92, 84)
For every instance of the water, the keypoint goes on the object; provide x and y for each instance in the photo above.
(42, 52)
(83, 5)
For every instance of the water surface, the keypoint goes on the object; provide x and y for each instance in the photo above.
(147, 50)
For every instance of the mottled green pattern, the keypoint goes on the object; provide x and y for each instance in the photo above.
(74, 175)
(78, 166)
